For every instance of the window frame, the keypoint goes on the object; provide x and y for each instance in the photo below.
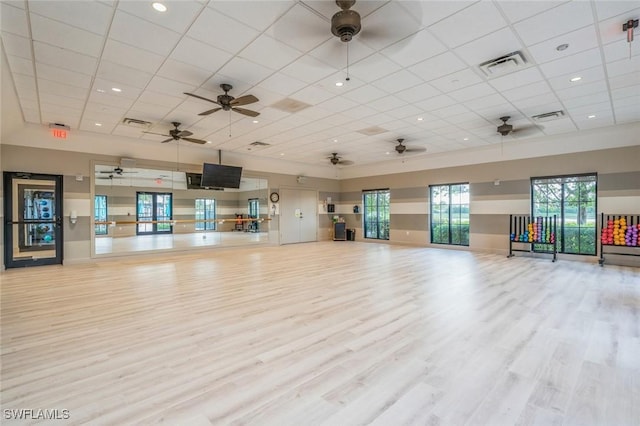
(206, 213)
(382, 227)
(97, 217)
(462, 236)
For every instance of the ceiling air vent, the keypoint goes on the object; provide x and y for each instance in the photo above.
(548, 116)
(290, 105)
(502, 65)
(134, 122)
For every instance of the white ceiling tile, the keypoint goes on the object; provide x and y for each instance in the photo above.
(598, 109)
(469, 24)
(494, 45)
(624, 66)
(25, 83)
(559, 127)
(16, 45)
(13, 20)
(414, 49)
(329, 83)
(142, 34)
(625, 80)
(519, 10)
(31, 116)
(64, 58)
(20, 65)
(185, 73)
(65, 36)
(179, 15)
(595, 122)
(358, 113)
(620, 49)
(334, 52)
(160, 99)
(582, 90)
(88, 15)
(246, 71)
(312, 95)
(588, 76)
(450, 111)
(436, 102)
(132, 57)
(554, 22)
(517, 79)
(308, 69)
(169, 87)
(574, 63)
(373, 68)
(437, 66)
(282, 84)
(627, 92)
(257, 14)
(199, 54)
(338, 104)
(60, 75)
(51, 99)
(270, 52)
(27, 104)
(386, 103)
(106, 98)
(398, 81)
(418, 93)
(365, 94)
(628, 114)
(578, 41)
(527, 91)
(123, 75)
(431, 12)
(302, 29)
(485, 102)
(456, 81)
(472, 92)
(386, 25)
(61, 89)
(220, 31)
(530, 111)
(590, 99)
(610, 8)
(535, 101)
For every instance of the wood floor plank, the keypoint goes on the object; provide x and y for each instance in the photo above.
(323, 333)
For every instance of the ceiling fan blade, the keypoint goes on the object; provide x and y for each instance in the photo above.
(246, 112)
(184, 133)
(200, 141)
(527, 131)
(167, 140)
(346, 162)
(243, 100)
(415, 150)
(153, 133)
(201, 97)
(211, 111)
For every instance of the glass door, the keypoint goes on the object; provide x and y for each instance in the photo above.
(156, 209)
(33, 219)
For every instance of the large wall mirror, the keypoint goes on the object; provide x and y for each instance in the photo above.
(140, 209)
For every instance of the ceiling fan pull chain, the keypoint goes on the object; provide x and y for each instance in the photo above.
(348, 62)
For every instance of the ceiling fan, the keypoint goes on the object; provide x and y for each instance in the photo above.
(401, 148)
(505, 129)
(335, 159)
(229, 103)
(177, 134)
(117, 171)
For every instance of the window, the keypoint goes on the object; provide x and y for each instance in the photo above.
(100, 213)
(254, 208)
(449, 214)
(156, 208)
(376, 214)
(205, 211)
(573, 200)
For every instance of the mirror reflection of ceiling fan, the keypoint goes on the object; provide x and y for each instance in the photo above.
(227, 102)
(117, 171)
(176, 134)
(335, 159)
(507, 129)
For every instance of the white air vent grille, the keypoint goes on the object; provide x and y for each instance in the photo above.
(503, 65)
(134, 122)
(548, 116)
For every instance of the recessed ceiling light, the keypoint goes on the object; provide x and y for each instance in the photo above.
(255, 121)
(387, 152)
(98, 124)
(100, 90)
(339, 84)
(574, 79)
(159, 7)
(465, 139)
(562, 47)
(591, 116)
(420, 119)
(209, 142)
(335, 140)
(116, 89)
(282, 153)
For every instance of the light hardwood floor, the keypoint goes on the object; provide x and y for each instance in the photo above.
(335, 333)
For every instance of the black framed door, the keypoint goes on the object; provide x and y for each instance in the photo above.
(33, 219)
(155, 208)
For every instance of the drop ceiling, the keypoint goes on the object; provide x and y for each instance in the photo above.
(414, 72)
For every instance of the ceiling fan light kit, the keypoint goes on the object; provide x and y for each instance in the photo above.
(227, 102)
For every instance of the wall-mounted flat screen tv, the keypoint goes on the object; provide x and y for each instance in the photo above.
(194, 180)
(219, 176)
